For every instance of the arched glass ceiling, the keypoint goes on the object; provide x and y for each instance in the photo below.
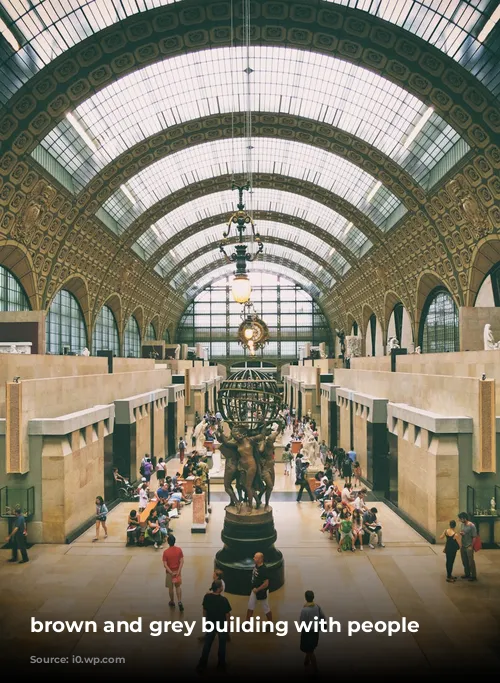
(263, 199)
(272, 250)
(258, 267)
(269, 155)
(284, 80)
(44, 29)
(213, 236)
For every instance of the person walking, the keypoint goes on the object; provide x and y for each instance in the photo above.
(260, 585)
(18, 538)
(450, 549)
(309, 639)
(302, 480)
(468, 533)
(216, 611)
(173, 561)
(182, 449)
(101, 512)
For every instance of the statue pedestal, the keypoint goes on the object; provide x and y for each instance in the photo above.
(199, 525)
(243, 536)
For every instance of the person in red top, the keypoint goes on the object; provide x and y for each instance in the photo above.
(173, 561)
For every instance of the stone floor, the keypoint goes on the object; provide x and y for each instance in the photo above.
(107, 581)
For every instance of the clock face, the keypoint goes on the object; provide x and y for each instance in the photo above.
(253, 331)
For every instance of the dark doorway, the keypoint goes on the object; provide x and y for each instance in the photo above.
(110, 492)
(393, 469)
(333, 425)
(299, 411)
(171, 426)
(377, 458)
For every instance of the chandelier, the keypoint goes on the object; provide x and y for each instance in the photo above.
(241, 219)
(253, 333)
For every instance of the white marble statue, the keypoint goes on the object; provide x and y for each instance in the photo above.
(199, 434)
(217, 468)
(353, 346)
(315, 452)
(418, 350)
(178, 352)
(393, 343)
(489, 342)
(85, 352)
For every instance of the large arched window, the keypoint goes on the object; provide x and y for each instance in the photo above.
(105, 337)
(166, 337)
(12, 294)
(132, 339)
(439, 327)
(489, 292)
(150, 333)
(291, 314)
(65, 326)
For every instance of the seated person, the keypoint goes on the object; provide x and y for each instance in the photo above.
(153, 532)
(347, 497)
(359, 501)
(133, 528)
(187, 469)
(176, 498)
(372, 527)
(163, 492)
(346, 536)
(163, 520)
(118, 477)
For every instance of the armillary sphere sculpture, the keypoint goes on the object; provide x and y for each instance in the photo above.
(250, 403)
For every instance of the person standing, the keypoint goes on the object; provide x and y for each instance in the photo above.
(468, 533)
(101, 512)
(309, 639)
(287, 459)
(302, 480)
(173, 561)
(216, 611)
(260, 585)
(450, 549)
(352, 455)
(18, 538)
(347, 469)
(161, 471)
(182, 449)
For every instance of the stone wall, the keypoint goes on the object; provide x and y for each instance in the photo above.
(471, 324)
(41, 367)
(360, 438)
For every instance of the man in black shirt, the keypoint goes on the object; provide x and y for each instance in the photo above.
(260, 584)
(18, 538)
(216, 610)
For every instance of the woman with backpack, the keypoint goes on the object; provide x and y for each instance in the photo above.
(101, 512)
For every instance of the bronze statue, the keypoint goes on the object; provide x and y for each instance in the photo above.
(249, 461)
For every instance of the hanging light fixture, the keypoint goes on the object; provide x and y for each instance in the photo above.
(241, 219)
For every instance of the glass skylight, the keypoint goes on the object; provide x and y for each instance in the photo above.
(284, 80)
(272, 251)
(212, 237)
(47, 28)
(259, 267)
(270, 155)
(263, 199)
